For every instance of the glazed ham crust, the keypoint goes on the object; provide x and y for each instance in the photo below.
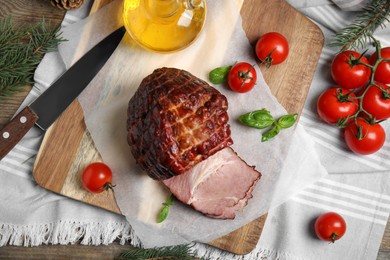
(176, 120)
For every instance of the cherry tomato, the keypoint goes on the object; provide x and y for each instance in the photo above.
(364, 138)
(242, 77)
(330, 226)
(336, 104)
(272, 48)
(346, 73)
(377, 102)
(97, 177)
(382, 73)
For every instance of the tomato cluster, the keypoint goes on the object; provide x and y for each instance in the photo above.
(360, 101)
(271, 48)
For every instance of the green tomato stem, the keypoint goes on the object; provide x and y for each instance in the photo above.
(371, 83)
(245, 75)
(108, 186)
(334, 237)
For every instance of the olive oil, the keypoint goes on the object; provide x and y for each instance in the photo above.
(164, 25)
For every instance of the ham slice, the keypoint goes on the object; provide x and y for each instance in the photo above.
(218, 186)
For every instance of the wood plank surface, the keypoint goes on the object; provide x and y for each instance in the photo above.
(27, 11)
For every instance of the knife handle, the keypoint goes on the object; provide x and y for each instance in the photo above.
(15, 129)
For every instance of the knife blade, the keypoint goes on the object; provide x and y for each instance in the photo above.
(50, 105)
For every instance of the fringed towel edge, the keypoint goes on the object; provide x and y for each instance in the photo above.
(211, 253)
(68, 232)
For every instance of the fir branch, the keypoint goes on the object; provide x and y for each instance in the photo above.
(21, 50)
(357, 34)
(179, 252)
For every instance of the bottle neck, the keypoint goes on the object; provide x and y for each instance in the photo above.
(162, 8)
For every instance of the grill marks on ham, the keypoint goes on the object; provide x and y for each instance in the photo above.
(176, 120)
(218, 186)
(179, 134)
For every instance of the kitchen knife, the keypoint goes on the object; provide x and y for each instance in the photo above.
(49, 106)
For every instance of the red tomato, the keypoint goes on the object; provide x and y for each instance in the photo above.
(364, 138)
(376, 102)
(330, 226)
(382, 73)
(97, 177)
(242, 77)
(272, 48)
(346, 73)
(333, 105)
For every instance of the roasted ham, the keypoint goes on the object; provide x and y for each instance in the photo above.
(176, 120)
(179, 134)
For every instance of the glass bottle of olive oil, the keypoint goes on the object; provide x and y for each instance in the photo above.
(164, 25)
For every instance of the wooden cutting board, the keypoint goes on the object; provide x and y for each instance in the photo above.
(67, 146)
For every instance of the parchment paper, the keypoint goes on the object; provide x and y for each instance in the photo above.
(222, 42)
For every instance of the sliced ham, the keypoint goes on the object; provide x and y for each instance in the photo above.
(178, 132)
(218, 186)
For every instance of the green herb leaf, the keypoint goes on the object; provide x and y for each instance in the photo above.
(163, 214)
(270, 134)
(262, 119)
(165, 210)
(258, 119)
(219, 75)
(287, 121)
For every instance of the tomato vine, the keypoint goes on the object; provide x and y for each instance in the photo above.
(360, 102)
(371, 83)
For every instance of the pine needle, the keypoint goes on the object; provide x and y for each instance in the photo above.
(358, 33)
(21, 50)
(179, 252)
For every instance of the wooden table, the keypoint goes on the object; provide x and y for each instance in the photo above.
(28, 11)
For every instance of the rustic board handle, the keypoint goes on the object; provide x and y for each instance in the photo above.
(15, 129)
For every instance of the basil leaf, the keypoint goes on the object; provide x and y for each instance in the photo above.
(270, 134)
(165, 210)
(263, 119)
(287, 121)
(258, 119)
(163, 214)
(219, 75)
